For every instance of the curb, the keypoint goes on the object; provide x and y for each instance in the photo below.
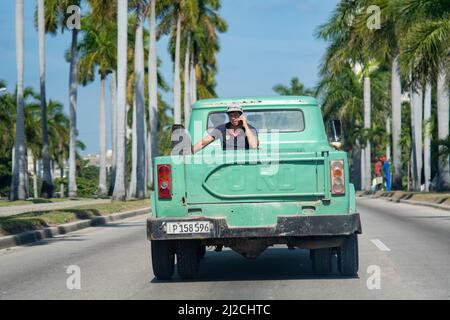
(416, 203)
(37, 235)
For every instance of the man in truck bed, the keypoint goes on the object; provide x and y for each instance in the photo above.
(234, 135)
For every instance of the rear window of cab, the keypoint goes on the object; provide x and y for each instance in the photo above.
(290, 120)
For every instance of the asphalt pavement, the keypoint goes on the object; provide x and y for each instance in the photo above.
(404, 254)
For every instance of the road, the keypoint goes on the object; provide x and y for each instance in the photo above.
(7, 211)
(409, 246)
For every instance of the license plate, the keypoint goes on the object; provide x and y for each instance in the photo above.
(188, 227)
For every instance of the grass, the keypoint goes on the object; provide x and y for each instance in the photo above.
(39, 220)
(7, 203)
(437, 198)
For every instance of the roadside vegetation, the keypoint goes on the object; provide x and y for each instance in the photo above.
(428, 197)
(39, 220)
(386, 74)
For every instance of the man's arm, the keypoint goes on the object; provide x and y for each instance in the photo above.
(251, 137)
(203, 143)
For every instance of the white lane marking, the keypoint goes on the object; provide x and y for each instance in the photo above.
(380, 245)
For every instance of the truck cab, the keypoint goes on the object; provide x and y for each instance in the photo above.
(293, 190)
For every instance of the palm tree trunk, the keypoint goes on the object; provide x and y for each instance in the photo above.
(139, 72)
(19, 191)
(122, 22)
(427, 142)
(193, 77)
(47, 185)
(133, 181)
(388, 132)
(363, 169)
(396, 95)
(153, 92)
(367, 125)
(146, 152)
(416, 120)
(443, 129)
(113, 93)
(73, 88)
(35, 182)
(61, 186)
(52, 165)
(176, 76)
(410, 169)
(102, 139)
(187, 87)
(356, 159)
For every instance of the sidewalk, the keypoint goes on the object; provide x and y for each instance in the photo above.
(434, 200)
(18, 209)
(32, 236)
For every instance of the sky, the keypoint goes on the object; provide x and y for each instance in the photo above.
(268, 42)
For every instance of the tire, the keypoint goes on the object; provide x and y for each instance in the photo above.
(201, 252)
(348, 258)
(163, 259)
(321, 259)
(188, 258)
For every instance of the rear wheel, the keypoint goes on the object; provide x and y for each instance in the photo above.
(348, 259)
(163, 259)
(188, 258)
(321, 259)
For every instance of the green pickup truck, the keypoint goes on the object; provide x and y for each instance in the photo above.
(292, 190)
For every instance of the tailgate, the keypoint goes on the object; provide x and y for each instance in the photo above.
(292, 177)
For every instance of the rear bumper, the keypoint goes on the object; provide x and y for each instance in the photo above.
(287, 226)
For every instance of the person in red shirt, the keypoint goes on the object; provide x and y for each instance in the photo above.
(378, 176)
(378, 166)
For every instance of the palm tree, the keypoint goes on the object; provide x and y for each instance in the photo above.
(206, 23)
(133, 179)
(56, 17)
(47, 185)
(347, 44)
(427, 136)
(416, 95)
(424, 53)
(73, 92)
(113, 94)
(384, 43)
(187, 83)
(19, 178)
(153, 91)
(295, 88)
(171, 13)
(443, 129)
(200, 23)
(176, 74)
(98, 52)
(341, 96)
(122, 39)
(139, 76)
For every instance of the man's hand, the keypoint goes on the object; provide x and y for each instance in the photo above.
(244, 121)
(252, 139)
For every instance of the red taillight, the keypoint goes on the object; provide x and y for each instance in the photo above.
(164, 181)
(337, 177)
